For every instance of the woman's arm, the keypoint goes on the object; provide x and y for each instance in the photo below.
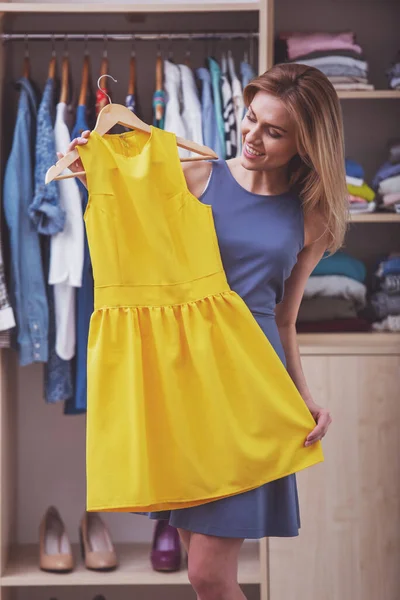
(286, 315)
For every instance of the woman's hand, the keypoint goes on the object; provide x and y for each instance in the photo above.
(323, 419)
(77, 165)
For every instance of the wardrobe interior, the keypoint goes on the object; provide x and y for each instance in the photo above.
(44, 462)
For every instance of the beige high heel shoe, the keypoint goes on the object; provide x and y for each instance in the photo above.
(97, 548)
(55, 553)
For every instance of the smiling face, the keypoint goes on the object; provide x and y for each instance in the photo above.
(269, 134)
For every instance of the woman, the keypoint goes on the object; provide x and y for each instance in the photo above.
(277, 209)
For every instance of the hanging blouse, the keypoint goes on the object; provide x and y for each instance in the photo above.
(228, 111)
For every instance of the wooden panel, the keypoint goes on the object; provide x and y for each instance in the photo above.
(7, 412)
(326, 344)
(100, 7)
(264, 569)
(266, 35)
(8, 468)
(7, 594)
(134, 569)
(349, 545)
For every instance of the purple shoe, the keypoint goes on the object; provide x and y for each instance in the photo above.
(166, 550)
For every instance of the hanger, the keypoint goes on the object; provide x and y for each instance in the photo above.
(159, 82)
(188, 61)
(132, 69)
(113, 114)
(27, 63)
(85, 78)
(65, 75)
(53, 62)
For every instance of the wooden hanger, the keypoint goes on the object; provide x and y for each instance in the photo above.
(159, 84)
(132, 70)
(84, 81)
(64, 80)
(53, 63)
(52, 68)
(113, 114)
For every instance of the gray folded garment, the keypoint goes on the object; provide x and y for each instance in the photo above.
(322, 308)
(385, 304)
(391, 284)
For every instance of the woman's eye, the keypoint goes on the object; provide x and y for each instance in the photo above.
(275, 135)
(250, 117)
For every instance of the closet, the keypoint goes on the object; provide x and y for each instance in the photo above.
(349, 545)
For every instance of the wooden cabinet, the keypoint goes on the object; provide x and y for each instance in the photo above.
(349, 546)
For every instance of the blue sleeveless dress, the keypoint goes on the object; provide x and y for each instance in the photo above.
(259, 239)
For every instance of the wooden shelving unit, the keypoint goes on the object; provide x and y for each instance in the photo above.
(326, 357)
(134, 569)
(375, 218)
(369, 94)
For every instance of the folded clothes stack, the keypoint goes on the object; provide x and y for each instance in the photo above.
(387, 179)
(334, 295)
(393, 73)
(335, 54)
(385, 302)
(361, 195)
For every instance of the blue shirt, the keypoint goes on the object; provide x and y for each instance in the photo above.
(209, 124)
(84, 300)
(28, 291)
(45, 210)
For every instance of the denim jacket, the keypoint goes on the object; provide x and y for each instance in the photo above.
(211, 137)
(45, 210)
(27, 290)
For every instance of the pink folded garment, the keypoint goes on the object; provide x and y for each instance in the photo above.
(357, 199)
(299, 44)
(353, 86)
(390, 199)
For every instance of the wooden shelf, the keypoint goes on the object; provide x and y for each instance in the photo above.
(99, 7)
(134, 569)
(368, 94)
(374, 342)
(375, 218)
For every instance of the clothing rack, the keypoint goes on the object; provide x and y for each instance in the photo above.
(124, 37)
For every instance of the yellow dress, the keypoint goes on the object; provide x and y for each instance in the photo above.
(188, 402)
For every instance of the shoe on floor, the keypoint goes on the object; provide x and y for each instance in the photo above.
(55, 553)
(97, 548)
(166, 549)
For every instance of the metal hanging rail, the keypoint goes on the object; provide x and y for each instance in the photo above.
(126, 37)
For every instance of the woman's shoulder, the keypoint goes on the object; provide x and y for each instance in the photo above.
(315, 226)
(196, 174)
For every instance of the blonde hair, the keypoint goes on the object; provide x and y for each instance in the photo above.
(317, 172)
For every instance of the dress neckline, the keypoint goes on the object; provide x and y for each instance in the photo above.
(243, 189)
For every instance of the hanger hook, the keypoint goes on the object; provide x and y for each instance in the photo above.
(101, 89)
(189, 46)
(86, 46)
(105, 51)
(53, 45)
(26, 46)
(66, 45)
(133, 47)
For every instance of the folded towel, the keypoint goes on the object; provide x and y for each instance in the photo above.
(390, 199)
(354, 169)
(354, 180)
(391, 185)
(391, 323)
(322, 309)
(384, 172)
(304, 43)
(385, 304)
(336, 286)
(334, 326)
(341, 263)
(363, 191)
